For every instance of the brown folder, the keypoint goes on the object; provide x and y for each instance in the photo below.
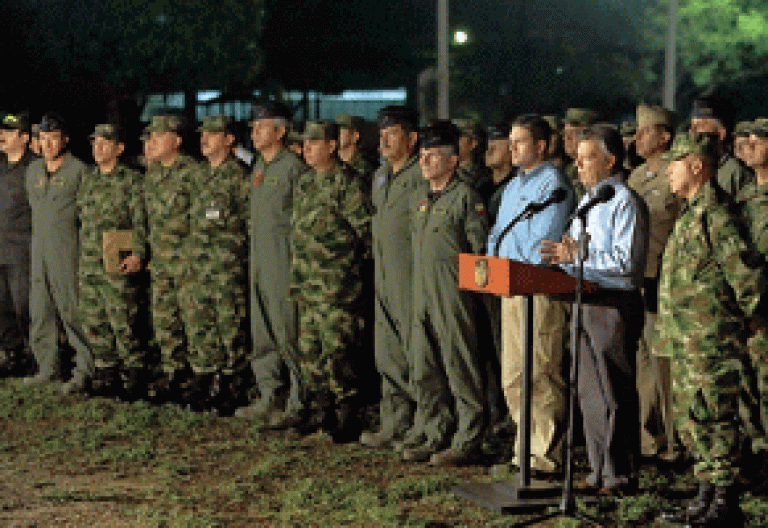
(117, 245)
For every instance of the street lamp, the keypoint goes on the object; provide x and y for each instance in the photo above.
(442, 59)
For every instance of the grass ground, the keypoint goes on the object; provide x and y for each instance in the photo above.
(99, 463)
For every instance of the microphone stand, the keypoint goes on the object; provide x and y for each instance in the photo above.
(567, 506)
(524, 214)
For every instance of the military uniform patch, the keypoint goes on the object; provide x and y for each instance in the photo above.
(40, 181)
(212, 212)
(381, 179)
(422, 207)
(480, 209)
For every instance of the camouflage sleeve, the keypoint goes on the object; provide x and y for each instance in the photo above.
(740, 266)
(476, 222)
(356, 210)
(139, 214)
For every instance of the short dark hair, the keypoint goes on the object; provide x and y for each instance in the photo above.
(536, 125)
(610, 137)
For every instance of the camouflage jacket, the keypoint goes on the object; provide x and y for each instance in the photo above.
(709, 282)
(167, 193)
(571, 173)
(331, 232)
(477, 176)
(218, 216)
(109, 202)
(753, 204)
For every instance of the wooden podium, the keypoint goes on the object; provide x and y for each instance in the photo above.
(509, 278)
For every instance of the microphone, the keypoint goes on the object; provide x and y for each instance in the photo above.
(556, 196)
(602, 195)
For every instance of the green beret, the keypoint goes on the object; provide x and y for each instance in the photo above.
(107, 131)
(655, 115)
(442, 133)
(165, 123)
(217, 123)
(580, 116)
(469, 127)
(320, 130)
(743, 128)
(16, 122)
(628, 128)
(759, 128)
(350, 121)
(687, 143)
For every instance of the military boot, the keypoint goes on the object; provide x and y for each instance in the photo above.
(348, 425)
(195, 394)
(724, 510)
(134, 384)
(695, 509)
(105, 382)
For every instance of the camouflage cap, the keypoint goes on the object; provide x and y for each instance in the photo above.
(743, 128)
(759, 127)
(350, 121)
(321, 130)
(107, 131)
(498, 131)
(165, 123)
(35, 130)
(16, 122)
(580, 116)
(270, 110)
(442, 133)
(51, 122)
(469, 127)
(655, 115)
(217, 123)
(628, 128)
(398, 115)
(685, 144)
(555, 123)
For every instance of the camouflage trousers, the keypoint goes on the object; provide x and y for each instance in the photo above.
(758, 351)
(215, 318)
(707, 389)
(329, 338)
(169, 319)
(109, 310)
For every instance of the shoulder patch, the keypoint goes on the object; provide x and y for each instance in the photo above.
(421, 207)
(480, 208)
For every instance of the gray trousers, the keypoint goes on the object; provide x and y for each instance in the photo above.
(606, 387)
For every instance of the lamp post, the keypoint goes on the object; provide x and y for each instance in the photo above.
(442, 60)
(670, 59)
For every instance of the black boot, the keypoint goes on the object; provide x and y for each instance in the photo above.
(348, 425)
(135, 384)
(167, 387)
(195, 394)
(724, 510)
(695, 509)
(105, 382)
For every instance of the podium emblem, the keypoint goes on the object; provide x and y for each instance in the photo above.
(481, 273)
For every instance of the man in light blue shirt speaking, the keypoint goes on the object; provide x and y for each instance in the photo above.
(535, 183)
(612, 319)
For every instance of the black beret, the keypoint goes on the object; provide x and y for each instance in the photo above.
(51, 122)
(441, 133)
(498, 131)
(271, 110)
(398, 115)
(710, 106)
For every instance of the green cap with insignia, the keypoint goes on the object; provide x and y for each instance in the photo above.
(107, 131)
(469, 127)
(217, 123)
(688, 143)
(350, 121)
(759, 127)
(320, 130)
(16, 122)
(743, 128)
(165, 123)
(628, 128)
(655, 115)
(580, 116)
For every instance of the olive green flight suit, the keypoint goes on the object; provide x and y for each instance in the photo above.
(55, 249)
(392, 197)
(273, 313)
(448, 374)
(732, 175)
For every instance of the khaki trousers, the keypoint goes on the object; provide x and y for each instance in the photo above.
(548, 401)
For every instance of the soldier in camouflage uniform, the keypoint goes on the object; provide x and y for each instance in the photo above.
(449, 218)
(654, 135)
(471, 169)
(708, 290)
(741, 141)
(713, 116)
(168, 186)
(330, 233)
(576, 120)
(215, 282)
(350, 147)
(110, 199)
(752, 202)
